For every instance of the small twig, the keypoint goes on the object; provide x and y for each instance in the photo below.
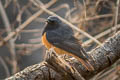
(36, 40)
(85, 9)
(31, 31)
(28, 45)
(7, 2)
(100, 35)
(25, 31)
(66, 6)
(42, 20)
(76, 4)
(65, 21)
(116, 14)
(5, 18)
(93, 18)
(5, 66)
(101, 75)
(18, 18)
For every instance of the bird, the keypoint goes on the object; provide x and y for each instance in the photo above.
(60, 37)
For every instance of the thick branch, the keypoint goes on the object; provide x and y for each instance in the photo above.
(57, 68)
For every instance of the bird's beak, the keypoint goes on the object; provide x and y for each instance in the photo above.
(47, 21)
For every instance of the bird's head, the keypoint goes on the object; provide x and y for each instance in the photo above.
(53, 23)
(53, 20)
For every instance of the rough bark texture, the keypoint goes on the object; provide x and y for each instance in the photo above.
(62, 68)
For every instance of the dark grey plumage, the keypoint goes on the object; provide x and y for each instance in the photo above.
(61, 35)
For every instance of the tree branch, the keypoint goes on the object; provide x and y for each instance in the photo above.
(57, 68)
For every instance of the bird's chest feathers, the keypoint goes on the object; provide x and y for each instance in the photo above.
(49, 45)
(45, 41)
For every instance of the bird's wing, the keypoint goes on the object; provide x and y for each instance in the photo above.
(69, 43)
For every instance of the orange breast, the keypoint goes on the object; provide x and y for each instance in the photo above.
(49, 45)
(61, 51)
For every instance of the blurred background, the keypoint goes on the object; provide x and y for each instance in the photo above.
(99, 18)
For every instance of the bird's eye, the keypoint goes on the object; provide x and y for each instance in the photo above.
(52, 21)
